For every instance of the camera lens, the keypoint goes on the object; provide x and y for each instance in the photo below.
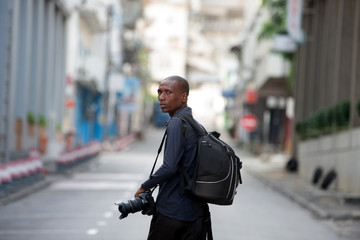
(132, 206)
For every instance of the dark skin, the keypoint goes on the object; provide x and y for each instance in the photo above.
(172, 97)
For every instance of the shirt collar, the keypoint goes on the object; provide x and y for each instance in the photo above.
(183, 111)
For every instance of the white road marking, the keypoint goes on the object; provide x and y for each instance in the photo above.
(108, 215)
(94, 185)
(101, 223)
(100, 181)
(38, 231)
(92, 231)
(110, 176)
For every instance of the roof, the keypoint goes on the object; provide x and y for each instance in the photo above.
(275, 86)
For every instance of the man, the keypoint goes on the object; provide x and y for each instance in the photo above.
(178, 215)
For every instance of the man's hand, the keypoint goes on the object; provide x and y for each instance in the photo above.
(139, 191)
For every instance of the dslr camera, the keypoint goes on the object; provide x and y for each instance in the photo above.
(145, 203)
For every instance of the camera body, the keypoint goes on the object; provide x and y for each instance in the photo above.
(144, 203)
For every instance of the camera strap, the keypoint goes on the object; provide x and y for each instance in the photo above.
(158, 153)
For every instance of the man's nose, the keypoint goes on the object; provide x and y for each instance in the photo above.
(161, 96)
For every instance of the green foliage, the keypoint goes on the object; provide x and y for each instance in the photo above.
(269, 29)
(41, 121)
(329, 120)
(325, 121)
(58, 127)
(312, 129)
(290, 81)
(358, 107)
(142, 58)
(30, 118)
(342, 114)
(277, 25)
(277, 21)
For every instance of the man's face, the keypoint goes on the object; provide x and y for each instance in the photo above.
(171, 97)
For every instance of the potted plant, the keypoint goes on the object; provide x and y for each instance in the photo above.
(18, 133)
(31, 123)
(42, 121)
(42, 134)
(58, 132)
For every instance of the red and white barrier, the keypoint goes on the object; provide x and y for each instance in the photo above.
(17, 171)
(79, 153)
(34, 161)
(5, 176)
(123, 142)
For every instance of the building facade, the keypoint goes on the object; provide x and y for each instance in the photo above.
(33, 39)
(327, 94)
(103, 88)
(257, 92)
(165, 37)
(63, 84)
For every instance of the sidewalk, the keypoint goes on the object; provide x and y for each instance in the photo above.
(270, 169)
(325, 204)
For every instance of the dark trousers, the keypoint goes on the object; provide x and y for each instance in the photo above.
(165, 228)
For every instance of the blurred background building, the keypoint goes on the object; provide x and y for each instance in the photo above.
(257, 89)
(67, 81)
(80, 72)
(327, 94)
(33, 59)
(213, 27)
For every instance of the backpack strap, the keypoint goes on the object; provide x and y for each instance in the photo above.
(206, 230)
(190, 120)
(187, 119)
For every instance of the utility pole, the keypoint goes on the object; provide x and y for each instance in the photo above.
(5, 99)
(108, 71)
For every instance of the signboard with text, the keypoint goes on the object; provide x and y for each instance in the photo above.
(294, 17)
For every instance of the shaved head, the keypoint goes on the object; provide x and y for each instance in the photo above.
(183, 84)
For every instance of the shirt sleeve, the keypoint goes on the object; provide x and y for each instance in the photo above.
(174, 150)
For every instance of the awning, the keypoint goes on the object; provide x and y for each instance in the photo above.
(277, 87)
(89, 85)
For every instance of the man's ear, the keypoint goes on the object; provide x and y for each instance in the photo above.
(184, 97)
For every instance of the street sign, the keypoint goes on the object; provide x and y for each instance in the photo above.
(251, 96)
(249, 122)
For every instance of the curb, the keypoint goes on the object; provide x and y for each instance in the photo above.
(303, 202)
(47, 181)
(24, 192)
(54, 174)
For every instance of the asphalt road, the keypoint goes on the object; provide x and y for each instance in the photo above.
(81, 206)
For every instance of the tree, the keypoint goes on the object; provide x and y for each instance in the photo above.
(277, 25)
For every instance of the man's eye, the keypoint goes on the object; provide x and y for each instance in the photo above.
(166, 92)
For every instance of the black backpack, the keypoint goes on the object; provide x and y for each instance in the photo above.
(217, 172)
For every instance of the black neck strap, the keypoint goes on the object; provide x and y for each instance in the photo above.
(158, 153)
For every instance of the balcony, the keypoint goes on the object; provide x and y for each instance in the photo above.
(95, 17)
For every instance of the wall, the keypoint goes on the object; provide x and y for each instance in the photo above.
(34, 74)
(327, 72)
(340, 152)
